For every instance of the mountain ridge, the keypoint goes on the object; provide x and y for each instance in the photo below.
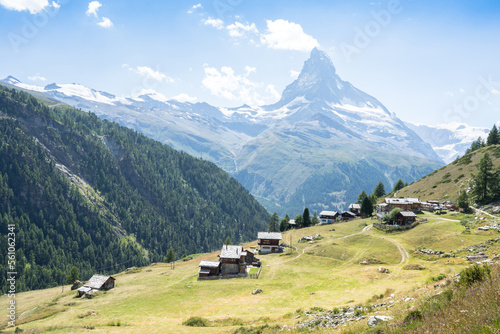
(319, 117)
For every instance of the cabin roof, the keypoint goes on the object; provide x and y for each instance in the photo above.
(402, 200)
(209, 264)
(269, 235)
(231, 252)
(407, 214)
(355, 206)
(328, 213)
(97, 281)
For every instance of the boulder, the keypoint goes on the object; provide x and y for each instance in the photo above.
(76, 285)
(374, 320)
(257, 291)
(383, 270)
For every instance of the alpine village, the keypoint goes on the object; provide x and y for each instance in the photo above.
(320, 213)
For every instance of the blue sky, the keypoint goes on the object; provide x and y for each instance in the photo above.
(427, 61)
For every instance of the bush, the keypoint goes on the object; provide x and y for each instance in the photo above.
(414, 266)
(413, 317)
(474, 273)
(336, 310)
(196, 322)
(437, 278)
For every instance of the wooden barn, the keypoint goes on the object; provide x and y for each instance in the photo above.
(269, 242)
(101, 282)
(355, 208)
(232, 259)
(348, 215)
(209, 268)
(405, 217)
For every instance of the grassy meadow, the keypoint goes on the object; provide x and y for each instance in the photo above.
(325, 273)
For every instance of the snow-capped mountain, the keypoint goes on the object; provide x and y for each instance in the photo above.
(319, 146)
(449, 141)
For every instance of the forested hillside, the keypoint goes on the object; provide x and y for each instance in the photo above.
(90, 193)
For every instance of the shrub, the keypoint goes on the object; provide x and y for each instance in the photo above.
(413, 317)
(196, 322)
(474, 273)
(336, 310)
(437, 278)
(414, 266)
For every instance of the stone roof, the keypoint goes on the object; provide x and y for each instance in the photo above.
(355, 206)
(97, 281)
(407, 214)
(269, 235)
(349, 213)
(402, 200)
(209, 264)
(328, 213)
(231, 252)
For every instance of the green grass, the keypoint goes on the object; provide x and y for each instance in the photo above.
(323, 274)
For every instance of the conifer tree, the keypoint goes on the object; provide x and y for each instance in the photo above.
(483, 181)
(493, 137)
(274, 221)
(399, 185)
(170, 255)
(366, 207)
(379, 190)
(306, 218)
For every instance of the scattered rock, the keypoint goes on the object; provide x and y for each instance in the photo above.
(374, 320)
(383, 270)
(76, 285)
(257, 291)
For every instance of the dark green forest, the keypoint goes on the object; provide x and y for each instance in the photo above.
(89, 193)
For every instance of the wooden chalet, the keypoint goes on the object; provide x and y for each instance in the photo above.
(348, 215)
(96, 283)
(232, 259)
(269, 242)
(405, 217)
(292, 223)
(405, 204)
(328, 217)
(355, 208)
(209, 268)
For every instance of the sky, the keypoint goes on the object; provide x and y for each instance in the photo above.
(430, 62)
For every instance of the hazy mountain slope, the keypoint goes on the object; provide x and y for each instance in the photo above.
(323, 128)
(449, 141)
(82, 191)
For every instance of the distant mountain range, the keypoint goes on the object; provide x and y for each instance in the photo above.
(321, 144)
(449, 141)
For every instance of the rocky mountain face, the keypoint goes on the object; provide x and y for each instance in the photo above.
(319, 146)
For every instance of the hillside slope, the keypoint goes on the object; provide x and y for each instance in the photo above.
(324, 274)
(445, 183)
(87, 192)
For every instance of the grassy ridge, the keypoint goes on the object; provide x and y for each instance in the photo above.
(445, 183)
(323, 274)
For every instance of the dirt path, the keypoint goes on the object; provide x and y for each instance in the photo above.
(404, 254)
(484, 212)
(366, 228)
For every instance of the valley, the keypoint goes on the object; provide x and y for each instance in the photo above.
(324, 274)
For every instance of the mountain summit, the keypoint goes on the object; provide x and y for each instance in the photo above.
(319, 82)
(321, 144)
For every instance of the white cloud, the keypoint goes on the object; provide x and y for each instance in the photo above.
(236, 87)
(37, 77)
(149, 73)
(284, 35)
(494, 91)
(294, 74)
(461, 90)
(195, 7)
(93, 8)
(216, 23)
(105, 23)
(450, 94)
(184, 98)
(33, 6)
(271, 89)
(250, 69)
(238, 29)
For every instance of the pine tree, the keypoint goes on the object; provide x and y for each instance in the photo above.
(73, 275)
(379, 190)
(315, 219)
(366, 207)
(170, 255)
(399, 185)
(306, 218)
(361, 197)
(463, 200)
(284, 226)
(483, 181)
(228, 241)
(493, 137)
(274, 223)
(299, 221)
